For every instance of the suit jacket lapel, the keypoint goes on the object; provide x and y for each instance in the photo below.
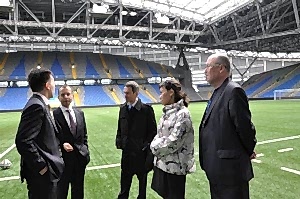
(78, 120)
(216, 98)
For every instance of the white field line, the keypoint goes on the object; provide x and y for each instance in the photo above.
(256, 161)
(259, 155)
(103, 167)
(290, 170)
(285, 150)
(118, 164)
(279, 140)
(7, 150)
(10, 178)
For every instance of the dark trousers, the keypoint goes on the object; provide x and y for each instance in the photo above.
(126, 179)
(73, 174)
(168, 186)
(40, 187)
(239, 191)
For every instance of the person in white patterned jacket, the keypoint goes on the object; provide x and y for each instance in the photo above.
(173, 146)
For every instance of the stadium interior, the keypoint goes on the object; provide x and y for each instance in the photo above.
(96, 46)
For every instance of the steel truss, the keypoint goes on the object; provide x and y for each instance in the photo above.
(254, 27)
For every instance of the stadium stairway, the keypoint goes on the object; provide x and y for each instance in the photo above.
(154, 73)
(148, 94)
(118, 92)
(128, 66)
(77, 99)
(96, 62)
(112, 64)
(167, 71)
(111, 93)
(3, 62)
(107, 71)
(138, 70)
(10, 65)
(142, 66)
(73, 66)
(281, 75)
(123, 71)
(57, 70)
(19, 71)
(153, 91)
(90, 71)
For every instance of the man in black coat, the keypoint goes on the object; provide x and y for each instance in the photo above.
(227, 135)
(36, 139)
(74, 145)
(136, 130)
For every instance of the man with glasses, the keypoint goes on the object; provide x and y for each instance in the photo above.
(227, 135)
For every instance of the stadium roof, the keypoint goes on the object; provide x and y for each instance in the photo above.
(202, 11)
(232, 25)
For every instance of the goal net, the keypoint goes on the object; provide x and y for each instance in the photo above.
(287, 94)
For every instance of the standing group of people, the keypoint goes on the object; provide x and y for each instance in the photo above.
(54, 152)
(53, 147)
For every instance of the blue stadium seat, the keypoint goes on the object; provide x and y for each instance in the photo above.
(143, 98)
(9, 101)
(153, 71)
(123, 72)
(90, 71)
(95, 96)
(286, 85)
(256, 86)
(19, 71)
(57, 70)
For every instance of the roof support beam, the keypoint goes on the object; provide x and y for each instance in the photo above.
(33, 15)
(146, 15)
(76, 14)
(296, 12)
(279, 19)
(260, 17)
(254, 38)
(235, 27)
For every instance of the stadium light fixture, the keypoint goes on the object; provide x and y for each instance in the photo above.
(124, 12)
(132, 14)
(5, 3)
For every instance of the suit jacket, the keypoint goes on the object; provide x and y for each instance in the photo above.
(37, 141)
(136, 129)
(227, 136)
(79, 141)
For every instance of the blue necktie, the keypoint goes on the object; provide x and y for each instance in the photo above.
(209, 103)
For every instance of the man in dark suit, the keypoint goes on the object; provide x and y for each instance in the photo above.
(227, 135)
(36, 139)
(136, 130)
(74, 145)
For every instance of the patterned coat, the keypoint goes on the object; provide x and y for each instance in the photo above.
(173, 146)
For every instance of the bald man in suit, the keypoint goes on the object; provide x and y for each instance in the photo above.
(227, 135)
(74, 145)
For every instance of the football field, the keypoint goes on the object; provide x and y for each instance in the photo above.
(277, 169)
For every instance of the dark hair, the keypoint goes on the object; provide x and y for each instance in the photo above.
(176, 86)
(133, 85)
(38, 78)
(224, 60)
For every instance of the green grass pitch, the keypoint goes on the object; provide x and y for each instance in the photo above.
(273, 119)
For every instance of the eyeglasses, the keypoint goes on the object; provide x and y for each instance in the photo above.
(212, 65)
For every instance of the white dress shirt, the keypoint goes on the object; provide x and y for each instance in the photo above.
(45, 99)
(66, 114)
